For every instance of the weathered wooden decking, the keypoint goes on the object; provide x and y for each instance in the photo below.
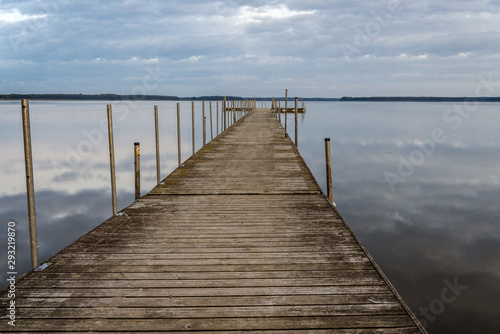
(239, 239)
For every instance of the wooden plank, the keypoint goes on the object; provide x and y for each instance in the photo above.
(222, 324)
(146, 268)
(82, 292)
(205, 249)
(175, 301)
(330, 255)
(202, 283)
(205, 312)
(206, 275)
(399, 330)
(207, 262)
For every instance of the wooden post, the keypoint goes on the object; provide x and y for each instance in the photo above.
(157, 133)
(217, 117)
(192, 112)
(328, 170)
(137, 168)
(286, 107)
(279, 110)
(234, 111)
(112, 159)
(204, 123)
(204, 131)
(211, 125)
(224, 113)
(30, 186)
(296, 125)
(179, 132)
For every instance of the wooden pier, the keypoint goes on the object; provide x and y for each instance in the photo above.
(239, 239)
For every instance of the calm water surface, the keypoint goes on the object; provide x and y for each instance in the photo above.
(419, 183)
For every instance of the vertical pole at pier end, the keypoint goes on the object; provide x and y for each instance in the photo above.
(137, 168)
(328, 170)
(112, 159)
(30, 186)
(157, 135)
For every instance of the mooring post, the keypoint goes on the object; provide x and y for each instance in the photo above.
(204, 123)
(112, 159)
(234, 111)
(286, 108)
(204, 131)
(296, 125)
(30, 185)
(224, 113)
(157, 132)
(137, 168)
(179, 132)
(217, 117)
(328, 170)
(211, 125)
(279, 110)
(192, 112)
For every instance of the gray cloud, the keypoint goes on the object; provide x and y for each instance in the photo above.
(247, 48)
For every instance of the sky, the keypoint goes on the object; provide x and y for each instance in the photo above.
(188, 48)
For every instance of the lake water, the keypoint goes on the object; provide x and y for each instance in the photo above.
(419, 183)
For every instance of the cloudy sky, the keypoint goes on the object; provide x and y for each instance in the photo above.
(194, 47)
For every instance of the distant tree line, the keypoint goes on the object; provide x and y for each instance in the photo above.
(112, 97)
(418, 99)
(117, 97)
(98, 97)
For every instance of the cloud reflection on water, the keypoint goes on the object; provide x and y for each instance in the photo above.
(440, 224)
